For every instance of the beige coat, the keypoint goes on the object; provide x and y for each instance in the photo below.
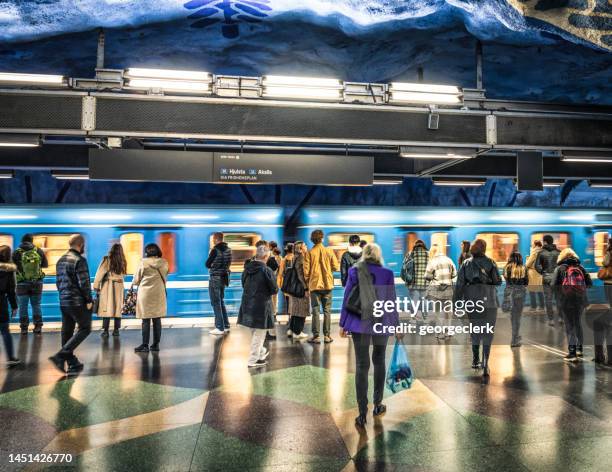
(535, 279)
(110, 288)
(151, 279)
(320, 263)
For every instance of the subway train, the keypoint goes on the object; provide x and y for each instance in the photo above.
(184, 234)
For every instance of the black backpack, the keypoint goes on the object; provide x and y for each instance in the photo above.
(292, 284)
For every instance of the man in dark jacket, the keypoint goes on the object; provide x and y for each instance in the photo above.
(350, 257)
(545, 265)
(256, 311)
(29, 260)
(218, 265)
(74, 288)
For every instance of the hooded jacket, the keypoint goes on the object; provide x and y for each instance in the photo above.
(150, 277)
(7, 291)
(72, 280)
(557, 277)
(219, 260)
(25, 247)
(258, 286)
(546, 262)
(477, 280)
(348, 260)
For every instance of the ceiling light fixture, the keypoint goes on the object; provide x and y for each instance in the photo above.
(457, 182)
(314, 88)
(19, 140)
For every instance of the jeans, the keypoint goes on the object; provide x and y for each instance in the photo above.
(29, 293)
(572, 315)
(548, 301)
(318, 299)
(418, 295)
(258, 336)
(74, 316)
(515, 317)
(216, 290)
(362, 344)
(536, 300)
(296, 324)
(106, 323)
(146, 330)
(8, 340)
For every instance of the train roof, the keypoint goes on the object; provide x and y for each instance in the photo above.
(439, 217)
(140, 215)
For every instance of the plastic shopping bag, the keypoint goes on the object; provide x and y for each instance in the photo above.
(399, 376)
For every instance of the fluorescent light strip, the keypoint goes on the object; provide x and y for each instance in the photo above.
(9, 144)
(284, 81)
(594, 184)
(168, 74)
(8, 175)
(69, 176)
(296, 92)
(416, 155)
(587, 159)
(387, 182)
(170, 85)
(428, 88)
(459, 183)
(32, 78)
(430, 98)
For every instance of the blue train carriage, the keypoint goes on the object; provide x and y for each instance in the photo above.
(396, 230)
(183, 233)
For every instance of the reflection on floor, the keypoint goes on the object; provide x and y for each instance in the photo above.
(196, 406)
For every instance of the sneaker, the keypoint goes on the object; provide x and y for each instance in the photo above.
(270, 337)
(13, 361)
(571, 358)
(259, 363)
(328, 339)
(142, 348)
(265, 355)
(58, 362)
(154, 348)
(73, 370)
(216, 332)
(302, 335)
(75, 365)
(226, 330)
(551, 323)
(579, 353)
(104, 334)
(289, 333)
(37, 330)
(315, 340)
(116, 332)
(24, 331)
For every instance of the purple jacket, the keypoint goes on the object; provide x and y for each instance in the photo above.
(384, 283)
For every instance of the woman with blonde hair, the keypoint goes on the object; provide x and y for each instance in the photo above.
(368, 281)
(535, 288)
(108, 285)
(517, 278)
(570, 282)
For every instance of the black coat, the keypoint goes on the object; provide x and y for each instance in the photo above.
(546, 262)
(570, 300)
(477, 280)
(219, 260)
(72, 280)
(259, 284)
(349, 259)
(7, 291)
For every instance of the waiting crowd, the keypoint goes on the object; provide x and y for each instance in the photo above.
(305, 278)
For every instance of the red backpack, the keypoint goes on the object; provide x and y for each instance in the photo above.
(573, 282)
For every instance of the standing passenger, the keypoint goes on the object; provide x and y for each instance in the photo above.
(108, 284)
(258, 286)
(602, 326)
(375, 282)
(151, 302)
(74, 288)
(570, 282)
(545, 264)
(7, 297)
(350, 257)
(516, 277)
(29, 260)
(465, 252)
(476, 282)
(607, 262)
(320, 263)
(218, 265)
(415, 265)
(441, 274)
(299, 308)
(274, 262)
(536, 297)
(286, 262)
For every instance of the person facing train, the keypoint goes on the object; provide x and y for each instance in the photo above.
(350, 257)
(218, 264)
(109, 287)
(545, 264)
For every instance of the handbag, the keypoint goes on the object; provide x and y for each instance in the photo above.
(353, 301)
(129, 303)
(292, 284)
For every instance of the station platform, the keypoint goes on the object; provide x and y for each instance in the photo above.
(195, 406)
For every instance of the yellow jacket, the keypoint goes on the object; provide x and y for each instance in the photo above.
(319, 265)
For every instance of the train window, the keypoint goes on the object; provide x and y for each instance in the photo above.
(167, 244)
(440, 240)
(500, 246)
(6, 240)
(133, 247)
(562, 240)
(600, 240)
(411, 238)
(338, 242)
(242, 246)
(54, 246)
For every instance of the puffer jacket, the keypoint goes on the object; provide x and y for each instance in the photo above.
(219, 260)
(320, 263)
(546, 262)
(7, 291)
(72, 280)
(568, 298)
(477, 280)
(258, 284)
(348, 260)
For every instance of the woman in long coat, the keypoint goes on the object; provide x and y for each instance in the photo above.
(151, 302)
(536, 293)
(108, 285)
(299, 308)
